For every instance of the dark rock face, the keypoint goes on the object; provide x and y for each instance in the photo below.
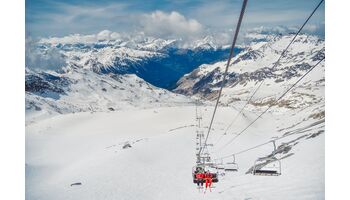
(45, 84)
(318, 56)
(250, 55)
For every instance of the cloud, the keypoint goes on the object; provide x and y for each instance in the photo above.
(313, 29)
(84, 39)
(220, 15)
(173, 24)
(317, 29)
(67, 19)
(158, 24)
(273, 30)
(216, 14)
(51, 59)
(55, 18)
(108, 35)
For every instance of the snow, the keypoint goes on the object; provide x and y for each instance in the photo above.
(87, 148)
(254, 64)
(268, 53)
(145, 147)
(92, 92)
(139, 40)
(108, 56)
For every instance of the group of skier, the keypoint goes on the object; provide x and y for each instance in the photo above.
(204, 177)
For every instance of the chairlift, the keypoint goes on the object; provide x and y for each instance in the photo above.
(204, 159)
(202, 168)
(195, 170)
(231, 166)
(268, 166)
(220, 165)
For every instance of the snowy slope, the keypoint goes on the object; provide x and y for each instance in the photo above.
(85, 141)
(88, 148)
(81, 90)
(254, 65)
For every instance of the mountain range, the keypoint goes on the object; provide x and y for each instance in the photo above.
(257, 63)
(112, 75)
(118, 110)
(158, 61)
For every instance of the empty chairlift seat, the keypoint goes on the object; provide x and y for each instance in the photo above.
(220, 167)
(267, 167)
(231, 166)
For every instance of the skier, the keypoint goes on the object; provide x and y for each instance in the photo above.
(200, 179)
(208, 180)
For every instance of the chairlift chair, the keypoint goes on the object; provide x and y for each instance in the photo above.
(220, 165)
(212, 169)
(196, 169)
(201, 168)
(205, 160)
(268, 166)
(231, 166)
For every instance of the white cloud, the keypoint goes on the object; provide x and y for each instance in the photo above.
(108, 35)
(85, 39)
(309, 29)
(165, 25)
(51, 59)
(157, 24)
(84, 19)
(273, 30)
(70, 39)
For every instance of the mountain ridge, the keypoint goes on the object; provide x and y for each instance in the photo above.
(160, 62)
(255, 64)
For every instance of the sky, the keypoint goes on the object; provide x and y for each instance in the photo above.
(164, 18)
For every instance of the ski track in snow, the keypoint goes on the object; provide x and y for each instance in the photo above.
(87, 148)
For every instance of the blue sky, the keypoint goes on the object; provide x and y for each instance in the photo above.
(46, 18)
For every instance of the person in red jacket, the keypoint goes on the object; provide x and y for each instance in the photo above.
(208, 180)
(200, 178)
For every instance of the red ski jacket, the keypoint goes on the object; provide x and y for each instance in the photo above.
(208, 175)
(199, 176)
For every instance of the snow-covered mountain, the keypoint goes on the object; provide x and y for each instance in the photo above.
(147, 133)
(82, 90)
(107, 74)
(255, 64)
(160, 62)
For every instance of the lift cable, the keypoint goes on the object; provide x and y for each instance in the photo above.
(252, 148)
(273, 104)
(226, 70)
(275, 65)
(236, 117)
